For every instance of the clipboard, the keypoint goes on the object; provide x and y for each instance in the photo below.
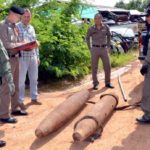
(27, 46)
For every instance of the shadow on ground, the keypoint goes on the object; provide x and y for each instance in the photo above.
(136, 93)
(93, 93)
(39, 142)
(79, 145)
(137, 140)
(1, 134)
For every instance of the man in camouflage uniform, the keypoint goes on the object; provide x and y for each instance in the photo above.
(5, 70)
(10, 38)
(98, 40)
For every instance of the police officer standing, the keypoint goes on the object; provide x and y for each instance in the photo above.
(5, 70)
(145, 71)
(98, 40)
(10, 39)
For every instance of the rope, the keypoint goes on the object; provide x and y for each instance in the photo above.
(127, 106)
(87, 117)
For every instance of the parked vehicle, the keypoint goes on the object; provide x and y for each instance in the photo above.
(116, 47)
(125, 34)
(121, 41)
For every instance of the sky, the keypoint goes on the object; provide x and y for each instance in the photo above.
(107, 2)
(110, 3)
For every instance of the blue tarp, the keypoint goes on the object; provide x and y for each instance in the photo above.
(88, 12)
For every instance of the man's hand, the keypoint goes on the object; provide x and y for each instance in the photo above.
(144, 69)
(21, 43)
(11, 88)
(38, 43)
(39, 62)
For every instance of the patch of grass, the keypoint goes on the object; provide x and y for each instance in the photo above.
(119, 60)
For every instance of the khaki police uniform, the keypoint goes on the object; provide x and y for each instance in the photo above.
(98, 41)
(9, 37)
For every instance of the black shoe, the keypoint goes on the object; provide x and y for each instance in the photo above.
(109, 86)
(8, 120)
(19, 113)
(2, 143)
(95, 87)
(143, 120)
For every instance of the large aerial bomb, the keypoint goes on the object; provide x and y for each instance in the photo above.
(62, 113)
(96, 118)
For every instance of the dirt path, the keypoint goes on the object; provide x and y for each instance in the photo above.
(120, 133)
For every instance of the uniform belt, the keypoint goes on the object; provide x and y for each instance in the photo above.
(104, 45)
(15, 55)
(0, 80)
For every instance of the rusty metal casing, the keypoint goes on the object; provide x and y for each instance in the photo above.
(62, 113)
(95, 119)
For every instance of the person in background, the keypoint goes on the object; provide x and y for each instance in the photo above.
(29, 61)
(98, 40)
(145, 39)
(5, 71)
(145, 71)
(10, 39)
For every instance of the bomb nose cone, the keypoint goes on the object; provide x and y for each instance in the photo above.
(38, 133)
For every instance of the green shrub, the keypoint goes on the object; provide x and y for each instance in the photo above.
(63, 48)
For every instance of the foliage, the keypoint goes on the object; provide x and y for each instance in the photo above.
(119, 60)
(24, 3)
(133, 4)
(63, 49)
(120, 4)
(3, 9)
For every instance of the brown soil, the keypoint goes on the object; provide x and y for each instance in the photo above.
(120, 133)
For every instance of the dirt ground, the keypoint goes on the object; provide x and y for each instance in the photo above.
(120, 133)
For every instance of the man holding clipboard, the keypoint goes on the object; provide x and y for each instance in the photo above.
(10, 39)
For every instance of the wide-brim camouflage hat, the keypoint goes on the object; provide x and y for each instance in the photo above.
(17, 9)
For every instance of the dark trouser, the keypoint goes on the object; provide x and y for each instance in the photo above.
(145, 105)
(4, 91)
(103, 54)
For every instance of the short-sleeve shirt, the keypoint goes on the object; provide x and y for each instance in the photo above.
(100, 36)
(9, 35)
(27, 33)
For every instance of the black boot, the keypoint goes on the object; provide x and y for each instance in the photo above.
(8, 120)
(2, 143)
(143, 120)
(95, 86)
(109, 85)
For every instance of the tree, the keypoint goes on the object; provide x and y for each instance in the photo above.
(133, 4)
(25, 3)
(120, 4)
(63, 49)
(136, 4)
